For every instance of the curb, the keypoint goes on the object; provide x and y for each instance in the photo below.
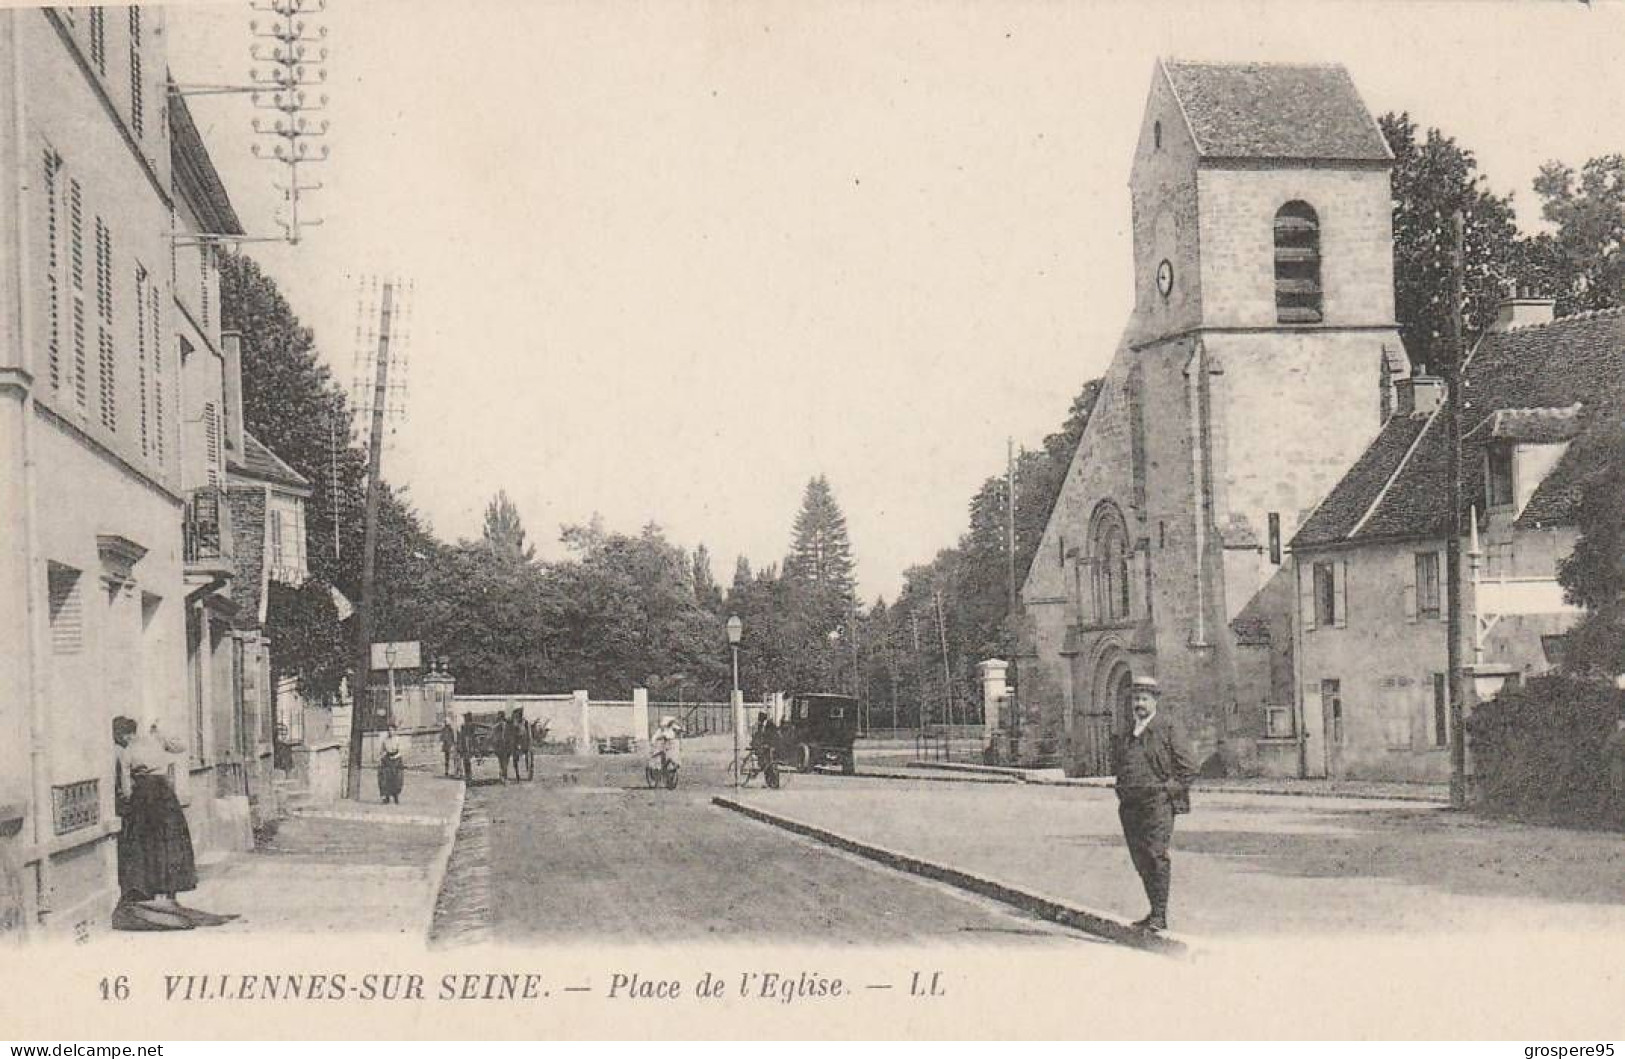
(1016, 775)
(442, 860)
(984, 780)
(1078, 918)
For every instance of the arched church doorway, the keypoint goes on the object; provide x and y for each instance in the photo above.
(1101, 712)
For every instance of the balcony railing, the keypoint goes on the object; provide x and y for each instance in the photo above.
(205, 525)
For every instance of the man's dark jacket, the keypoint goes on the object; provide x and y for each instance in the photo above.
(1169, 755)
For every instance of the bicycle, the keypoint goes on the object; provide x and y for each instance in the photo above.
(747, 768)
(659, 771)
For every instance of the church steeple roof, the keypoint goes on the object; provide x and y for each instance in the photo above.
(1275, 111)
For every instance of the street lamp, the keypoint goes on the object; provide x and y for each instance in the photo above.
(736, 630)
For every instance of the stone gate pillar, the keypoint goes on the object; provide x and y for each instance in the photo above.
(995, 689)
(640, 715)
(585, 744)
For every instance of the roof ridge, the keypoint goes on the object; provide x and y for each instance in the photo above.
(1583, 315)
(1393, 476)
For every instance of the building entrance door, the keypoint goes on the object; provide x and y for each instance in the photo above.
(1100, 718)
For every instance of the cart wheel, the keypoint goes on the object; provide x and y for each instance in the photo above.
(803, 758)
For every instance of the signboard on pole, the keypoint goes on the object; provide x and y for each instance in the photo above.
(406, 654)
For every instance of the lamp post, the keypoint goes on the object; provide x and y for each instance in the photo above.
(736, 630)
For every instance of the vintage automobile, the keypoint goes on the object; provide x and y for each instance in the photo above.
(819, 730)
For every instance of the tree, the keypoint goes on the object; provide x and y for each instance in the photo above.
(707, 593)
(307, 640)
(1432, 178)
(504, 532)
(820, 552)
(292, 404)
(1582, 262)
(1593, 575)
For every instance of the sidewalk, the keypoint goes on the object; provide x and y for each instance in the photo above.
(1430, 793)
(1245, 864)
(351, 867)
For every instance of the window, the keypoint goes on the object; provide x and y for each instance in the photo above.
(1325, 594)
(1278, 722)
(76, 276)
(53, 263)
(157, 377)
(1060, 551)
(104, 331)
(1275, 537)
(277, 556)
(211, 442)
(1297, 264)
(203, 283)
(98, 39)
(137, 103)
(65, 605)
(1109, 557)
(1427, 584)
(141, 357)
(1499, 476)
(1331, 700)
(1441, 710)
(1156, 135)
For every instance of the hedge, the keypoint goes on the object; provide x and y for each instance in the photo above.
(1538, 752)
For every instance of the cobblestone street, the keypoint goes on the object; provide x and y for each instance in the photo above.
(588, 852)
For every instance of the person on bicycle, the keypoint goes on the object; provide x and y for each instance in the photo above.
(764, 743)
(666, 745)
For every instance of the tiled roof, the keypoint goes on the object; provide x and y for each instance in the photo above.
(195, 171)
(1521, 385)
(248, 537)
(1275, 111)
(260, 462)
(1352, 497)
(1538, 426)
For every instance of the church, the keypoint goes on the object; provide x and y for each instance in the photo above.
(1257, 365)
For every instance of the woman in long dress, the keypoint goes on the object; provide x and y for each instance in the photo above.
(155, 858)
(391, 769)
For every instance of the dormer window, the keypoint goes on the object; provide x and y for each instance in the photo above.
(1297, 264)
(1498, 476)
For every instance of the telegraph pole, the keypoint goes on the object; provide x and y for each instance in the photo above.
(364, 614)
(1013, 718)
(1452, 553)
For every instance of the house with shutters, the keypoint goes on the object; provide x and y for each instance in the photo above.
(1253, 371)
(1370, 642)
(93, 590)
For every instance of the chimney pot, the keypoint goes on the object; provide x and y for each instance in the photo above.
(1419, 395)
(1522, 310)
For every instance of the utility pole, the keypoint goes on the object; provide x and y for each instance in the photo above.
(364, 613)
(1013, 719)
(1452, 553)
(947, 672)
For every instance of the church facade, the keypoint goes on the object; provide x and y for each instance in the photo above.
(1256, 366)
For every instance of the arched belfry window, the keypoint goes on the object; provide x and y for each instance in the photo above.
(1297, 264)
(1109, 563)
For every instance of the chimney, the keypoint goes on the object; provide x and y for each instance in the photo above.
(1419, 395)
(231, 345)
(1520, 310)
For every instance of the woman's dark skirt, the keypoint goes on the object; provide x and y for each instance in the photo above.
(155, 845)
(391, 775)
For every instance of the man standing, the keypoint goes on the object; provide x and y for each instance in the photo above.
(1154, 768)
(466, 746)
(520, 737)
(448, 743)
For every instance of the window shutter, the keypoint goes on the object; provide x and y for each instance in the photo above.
(1306, 595)
(1412, 588)
(1340, 590)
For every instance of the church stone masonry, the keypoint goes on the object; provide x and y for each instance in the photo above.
(1251, 374)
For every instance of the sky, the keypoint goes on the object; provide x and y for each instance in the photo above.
(669, 260)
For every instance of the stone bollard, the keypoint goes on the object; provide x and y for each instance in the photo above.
(995, 689)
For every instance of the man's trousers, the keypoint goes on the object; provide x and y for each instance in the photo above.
(1148, 826)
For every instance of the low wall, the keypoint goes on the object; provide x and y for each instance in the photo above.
(606, 720)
